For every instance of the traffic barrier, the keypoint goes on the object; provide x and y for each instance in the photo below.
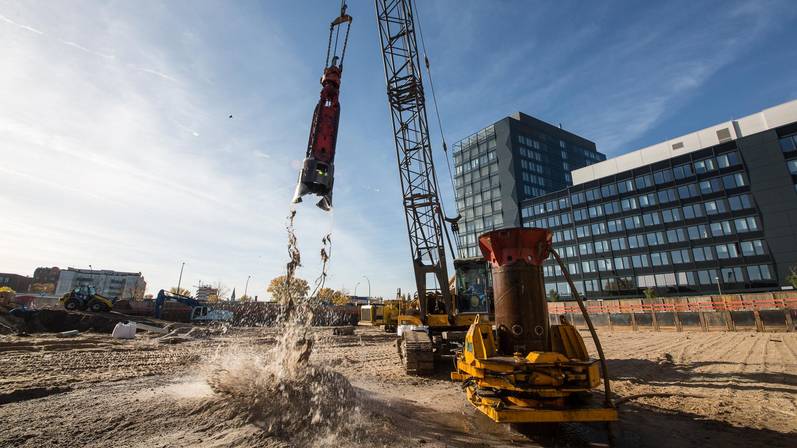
(776, 311)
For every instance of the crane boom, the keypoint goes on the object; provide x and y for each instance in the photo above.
(422, 210)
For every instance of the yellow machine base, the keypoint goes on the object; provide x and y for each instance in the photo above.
(518, 414)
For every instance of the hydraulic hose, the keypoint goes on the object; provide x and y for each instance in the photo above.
(604, 366)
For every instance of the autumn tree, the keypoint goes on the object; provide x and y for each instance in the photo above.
(329, 295)
(280, 290)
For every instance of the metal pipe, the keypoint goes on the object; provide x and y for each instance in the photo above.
(604, 366)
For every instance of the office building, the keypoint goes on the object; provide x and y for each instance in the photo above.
(113, 284)
(515, 159)
(714, 210)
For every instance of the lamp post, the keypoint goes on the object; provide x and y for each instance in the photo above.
(355, 288)
(369, 287)
(719, 288)
(246, 288)
(180, 279)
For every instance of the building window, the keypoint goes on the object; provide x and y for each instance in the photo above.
(608, 190)
(659, 259)
(722, 228)
(711, 186)
(732, 275)
(615, 225)
(740, 202)
(749, 224)
(624, 186)
(640, 261)
(698, 232)
(636, 241)
(662, 176)
(726, 251)
(676, 235)
(733, 181)
(643, 182)
(759, 272)
(788, 143)
(655, 238)
(728, 159)
(702, 253)
(666, 196)
(633, 222)
(693, 211)
(792, 165)
(647, 200)
(752, 248)
(680, 256)
(629, 204)
(671, 215)
(704, 166)
(687, 191)
(708, 277)
(683, 171)
(716, 207)
(651, 218)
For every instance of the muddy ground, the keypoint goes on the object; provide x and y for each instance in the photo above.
(674, 389)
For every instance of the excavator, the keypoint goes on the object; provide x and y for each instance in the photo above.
(514, 366)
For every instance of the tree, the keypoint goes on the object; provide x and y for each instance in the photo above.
(792, 277)
(553, 296)
(245, 298)
(649, 293)
(280, 291)
(181, 291)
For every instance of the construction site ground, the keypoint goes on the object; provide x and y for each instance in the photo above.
(673, 389)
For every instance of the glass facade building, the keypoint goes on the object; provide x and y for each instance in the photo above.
(696, 219)
(514, 159)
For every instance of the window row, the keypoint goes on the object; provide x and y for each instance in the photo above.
(650, 239)
(706, 279)
(652, 218)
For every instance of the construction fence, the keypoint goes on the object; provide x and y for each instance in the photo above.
(774, 311)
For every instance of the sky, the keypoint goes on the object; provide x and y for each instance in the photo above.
(117, 150)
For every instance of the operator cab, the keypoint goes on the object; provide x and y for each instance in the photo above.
(474, 286)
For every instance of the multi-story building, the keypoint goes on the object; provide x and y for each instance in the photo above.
(517, 158)
(108, 283)
(45, 280)
(708, 211)
(19, 283)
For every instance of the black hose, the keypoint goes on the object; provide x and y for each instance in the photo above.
(604, 367)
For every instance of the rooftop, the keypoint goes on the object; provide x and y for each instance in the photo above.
(766, 119)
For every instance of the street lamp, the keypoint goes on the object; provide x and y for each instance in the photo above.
(246, 288)
(369, 287)
(355, 288)
(719, 288)
(180, 279)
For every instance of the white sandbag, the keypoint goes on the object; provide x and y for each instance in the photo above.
(124, 330)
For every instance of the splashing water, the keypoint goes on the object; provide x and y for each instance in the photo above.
(282, 392)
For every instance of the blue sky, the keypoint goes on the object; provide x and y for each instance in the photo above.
(116, 149)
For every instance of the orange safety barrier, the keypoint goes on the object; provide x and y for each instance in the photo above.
(726, 305)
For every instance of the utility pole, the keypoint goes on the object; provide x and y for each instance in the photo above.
(246, 288)
(369, 287)
(180, 280)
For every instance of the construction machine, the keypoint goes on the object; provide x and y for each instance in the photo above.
(201, 312)
(520, 368)
(429, 332)
(85, 297)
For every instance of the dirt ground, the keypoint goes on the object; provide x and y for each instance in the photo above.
(673, 389)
